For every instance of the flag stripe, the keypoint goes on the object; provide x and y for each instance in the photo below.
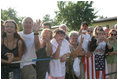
(103, 74)
(87, 68)
(92, 65)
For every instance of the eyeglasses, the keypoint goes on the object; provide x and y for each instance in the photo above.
(113, 34)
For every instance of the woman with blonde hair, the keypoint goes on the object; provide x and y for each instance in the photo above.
(112, 56)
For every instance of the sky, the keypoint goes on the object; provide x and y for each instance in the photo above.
(39, 8)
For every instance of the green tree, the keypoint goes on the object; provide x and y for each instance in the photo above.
(12, 14)
(47, 18)
(74, 13)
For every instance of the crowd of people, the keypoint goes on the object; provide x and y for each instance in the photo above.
(90, 53)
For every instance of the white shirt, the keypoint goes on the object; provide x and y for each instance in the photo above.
(87, 38)
(30, 52)
(57, 68)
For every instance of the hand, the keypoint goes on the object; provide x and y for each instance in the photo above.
(89, 54)
(37, 26)
(82, 39)
(46, 39)
(111, 53)
(59, 42)
(83, 52)
(100, 39)
(105, 39)
(10, 57)
(63, 58)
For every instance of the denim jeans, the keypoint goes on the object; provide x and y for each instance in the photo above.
(5, 73)
(16, 73)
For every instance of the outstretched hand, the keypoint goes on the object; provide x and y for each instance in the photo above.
(37, 26)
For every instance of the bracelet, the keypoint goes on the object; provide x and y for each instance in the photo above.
(36, 33)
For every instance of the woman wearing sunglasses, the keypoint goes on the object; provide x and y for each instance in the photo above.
(112, 57)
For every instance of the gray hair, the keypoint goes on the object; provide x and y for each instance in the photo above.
(63, 25)
(73, 33)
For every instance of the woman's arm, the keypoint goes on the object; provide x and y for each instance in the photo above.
(20, 51)
(10, 58)
(56, 54)
(78, 50)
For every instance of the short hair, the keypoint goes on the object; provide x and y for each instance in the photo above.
(107, 26)
(63, 25)
(47, 30)
(58, 31)
(26, 18)
(47, 24)
(84, 23)
(73, 33)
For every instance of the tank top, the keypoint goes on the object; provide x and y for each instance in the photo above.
(5, 50)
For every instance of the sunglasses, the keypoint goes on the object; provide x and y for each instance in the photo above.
(113, 34)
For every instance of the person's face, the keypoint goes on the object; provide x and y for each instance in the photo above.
(10, 28)
(64, 28)
(46, 27)
(113, 35)
(28, 24)
(85, 27)
(101, 34)
(46, 34)
(73, 40)
(99, 28)
(90, 31)
(60, 37)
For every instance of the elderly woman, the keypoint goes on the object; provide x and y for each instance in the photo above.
(112, 57)
(45, 51)
(76, 49)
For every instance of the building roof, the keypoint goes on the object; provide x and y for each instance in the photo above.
(105, 19)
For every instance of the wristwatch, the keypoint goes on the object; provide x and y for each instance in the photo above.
(36, 33)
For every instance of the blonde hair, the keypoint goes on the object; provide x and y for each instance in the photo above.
(47, 30)
(95, 30)
(112, 31)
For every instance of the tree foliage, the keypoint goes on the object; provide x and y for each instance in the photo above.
(74, 13)
(47, 18)
(11, 14)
